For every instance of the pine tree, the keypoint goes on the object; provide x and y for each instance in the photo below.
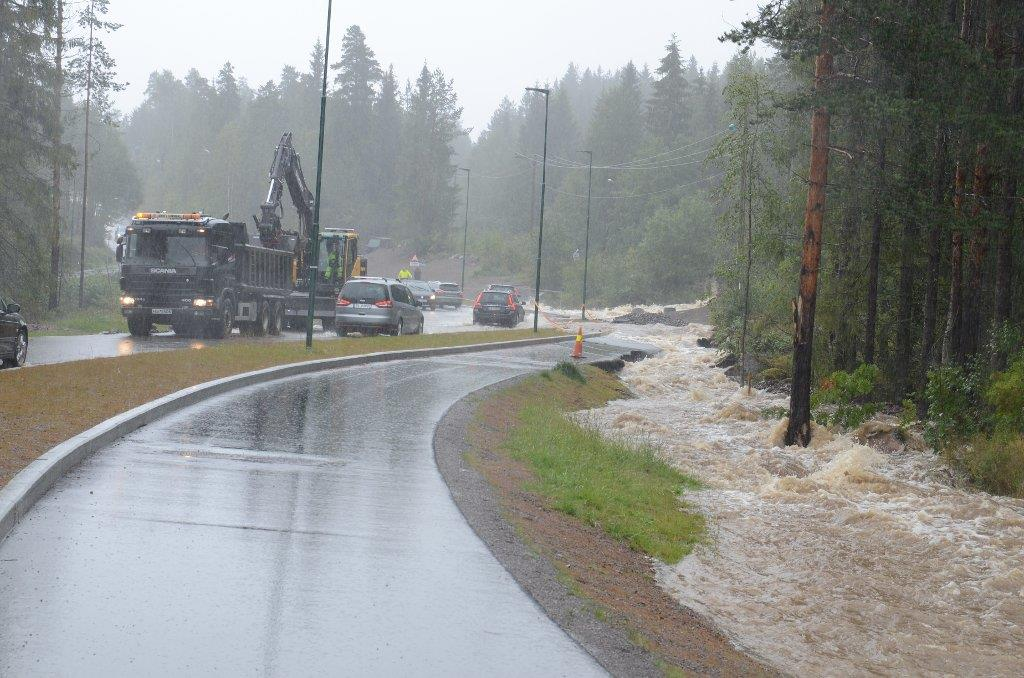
(666, 109)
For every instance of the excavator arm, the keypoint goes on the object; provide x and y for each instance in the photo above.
(286, 172)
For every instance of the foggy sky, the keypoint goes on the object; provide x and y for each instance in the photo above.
(491, 49)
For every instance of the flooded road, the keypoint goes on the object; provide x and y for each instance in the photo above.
(56, 349)
(297, 528)
(834, 560)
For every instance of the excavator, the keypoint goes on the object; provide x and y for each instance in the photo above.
(339, 247)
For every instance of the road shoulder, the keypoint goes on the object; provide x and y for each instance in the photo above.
(600, 592)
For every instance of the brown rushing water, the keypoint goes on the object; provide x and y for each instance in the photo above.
(833, 560)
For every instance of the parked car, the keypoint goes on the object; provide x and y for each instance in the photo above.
(375, 306)
(423, 293)
(13, 334)
(514, 291)
(448, 294)
(497, 308)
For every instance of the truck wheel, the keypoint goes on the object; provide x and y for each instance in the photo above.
(341, 330)
(222, 325)
(276, 320)
(262, 324)
(139, 326)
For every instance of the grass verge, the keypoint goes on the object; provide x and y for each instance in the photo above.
(623, 488)
(598, 510)
(43, 406)
(95, 320)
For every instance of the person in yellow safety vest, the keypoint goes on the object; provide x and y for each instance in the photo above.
(332, 259)
(405, 274)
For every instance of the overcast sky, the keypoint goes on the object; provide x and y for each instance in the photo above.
(491, 49)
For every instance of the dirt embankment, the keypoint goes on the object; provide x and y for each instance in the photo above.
(599, 590)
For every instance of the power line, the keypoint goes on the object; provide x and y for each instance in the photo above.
(671, 151)
(641, 195)
(622, 169)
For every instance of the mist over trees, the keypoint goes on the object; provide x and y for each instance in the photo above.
(388, 166)
(44, 68)
(652, 217)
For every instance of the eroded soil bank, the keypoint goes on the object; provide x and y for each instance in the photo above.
(835, 560)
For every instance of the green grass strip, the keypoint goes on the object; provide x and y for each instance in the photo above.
(623, 488)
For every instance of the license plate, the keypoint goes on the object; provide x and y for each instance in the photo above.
(161, 311)
(362, 305)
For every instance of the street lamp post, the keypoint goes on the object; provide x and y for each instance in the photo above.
(543, 184)
(586, 245)
(465, 232)
(314, 236)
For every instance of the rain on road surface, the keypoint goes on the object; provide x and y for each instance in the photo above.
(57, 349)
(299, 527)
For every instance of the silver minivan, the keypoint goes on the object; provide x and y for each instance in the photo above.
(376, 306)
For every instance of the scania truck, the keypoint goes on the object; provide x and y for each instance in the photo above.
(201, 276)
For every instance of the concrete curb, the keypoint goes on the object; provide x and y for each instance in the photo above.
(33, 481)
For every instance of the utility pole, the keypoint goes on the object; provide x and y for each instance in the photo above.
(85, 159)
(465, 232)
(586, 241)
(314, 236)
(543, 184)
(58, 128)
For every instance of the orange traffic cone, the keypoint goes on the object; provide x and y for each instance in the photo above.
(577, 350)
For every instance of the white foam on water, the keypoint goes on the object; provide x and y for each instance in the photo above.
(608, 314)
(836, 559)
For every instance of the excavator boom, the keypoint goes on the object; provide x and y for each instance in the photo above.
(286, 172)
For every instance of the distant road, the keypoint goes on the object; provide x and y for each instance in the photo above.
(48, 350)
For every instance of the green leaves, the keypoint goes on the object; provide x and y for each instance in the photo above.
(843, 399)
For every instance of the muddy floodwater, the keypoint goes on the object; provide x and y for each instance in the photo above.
(833, 560)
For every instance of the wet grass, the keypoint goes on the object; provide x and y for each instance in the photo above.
(86, 321)
(621, 487)
(43, 406)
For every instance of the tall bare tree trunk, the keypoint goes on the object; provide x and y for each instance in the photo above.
(873, 262)
(799, 427)
(1004, 246)
(977, 251)
(56, 142)
(85, 160)
(904, 308)
(951, 336)
(931, 293)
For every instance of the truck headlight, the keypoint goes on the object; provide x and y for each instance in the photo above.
(202, 303)
(433, 296)
(127, 301)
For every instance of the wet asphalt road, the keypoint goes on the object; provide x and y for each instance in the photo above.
(295, 528)
(47, 350)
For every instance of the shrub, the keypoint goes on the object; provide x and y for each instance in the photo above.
(954, 407)
(1006, 396)
(996, 463)
(844, 397)
(571, 371)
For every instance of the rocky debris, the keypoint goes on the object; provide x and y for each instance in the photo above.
(727, 361)
(669, 316)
